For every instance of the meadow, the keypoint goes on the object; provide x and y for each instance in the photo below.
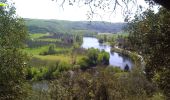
(61, 49)
(38, 35)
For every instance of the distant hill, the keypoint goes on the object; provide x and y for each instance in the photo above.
(61, 26)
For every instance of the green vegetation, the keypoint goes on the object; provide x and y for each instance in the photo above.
(149, 36)
(47, 72)
(2, 4)
(54, 54)
(94, 57)
(103, 84)
(112, 39)
(12, 60)
(58, 26)
(38, 35)
(51, 50)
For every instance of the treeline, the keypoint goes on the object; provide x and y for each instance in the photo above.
(61, 40)
(120, 40)
(59, 26)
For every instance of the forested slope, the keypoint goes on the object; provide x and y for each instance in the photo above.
(61, 26)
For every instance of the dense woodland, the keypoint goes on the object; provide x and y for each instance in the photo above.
(59, 26)
(36, 51)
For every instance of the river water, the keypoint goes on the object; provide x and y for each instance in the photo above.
(116, 59)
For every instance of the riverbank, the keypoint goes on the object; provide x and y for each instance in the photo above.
(136, 58)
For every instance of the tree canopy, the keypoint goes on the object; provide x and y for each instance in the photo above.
(12, 60)
(149, 36)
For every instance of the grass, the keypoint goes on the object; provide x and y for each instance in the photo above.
(36, 51)
(37, 35)
(64, 58)
(50, 40)
(61, 57)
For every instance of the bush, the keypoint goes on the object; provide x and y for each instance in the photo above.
(63, 66)
(51, 50)
(92, 55)
(103, 58)
(51, 72)
(83, 63)
(102, 84)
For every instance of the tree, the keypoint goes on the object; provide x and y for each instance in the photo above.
(12, 60)
(83, 62)
(164, 3)
(149, 35)
(51, 49)
(103, 58)
(92, 56)
(102, 84)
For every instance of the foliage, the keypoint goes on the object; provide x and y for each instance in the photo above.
(149, 35)
(2, 4)
(47, 72)
(51, 50)
(37, 35)
(12, 60)
(102, 84)
(97, 57)
(94, 57)
(103, 58)
(59, 39)
(84, 63)
(113, 39)
(70, 27)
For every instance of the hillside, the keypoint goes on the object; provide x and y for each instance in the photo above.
(61, 26)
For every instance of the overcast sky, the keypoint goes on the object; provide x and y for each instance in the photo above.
(48, 9)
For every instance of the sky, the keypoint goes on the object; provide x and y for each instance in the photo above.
(48, 9)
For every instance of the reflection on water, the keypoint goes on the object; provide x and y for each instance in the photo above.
(116, 59)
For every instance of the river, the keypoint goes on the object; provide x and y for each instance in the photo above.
(116, 59)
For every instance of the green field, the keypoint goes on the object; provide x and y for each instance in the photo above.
(53, 58)
(38, 35)
(63, 53)
(36, 51)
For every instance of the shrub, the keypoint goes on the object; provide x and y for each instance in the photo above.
(51, 50)
(92, 55)
(102, 84)
(103, 58)
(83, 63)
